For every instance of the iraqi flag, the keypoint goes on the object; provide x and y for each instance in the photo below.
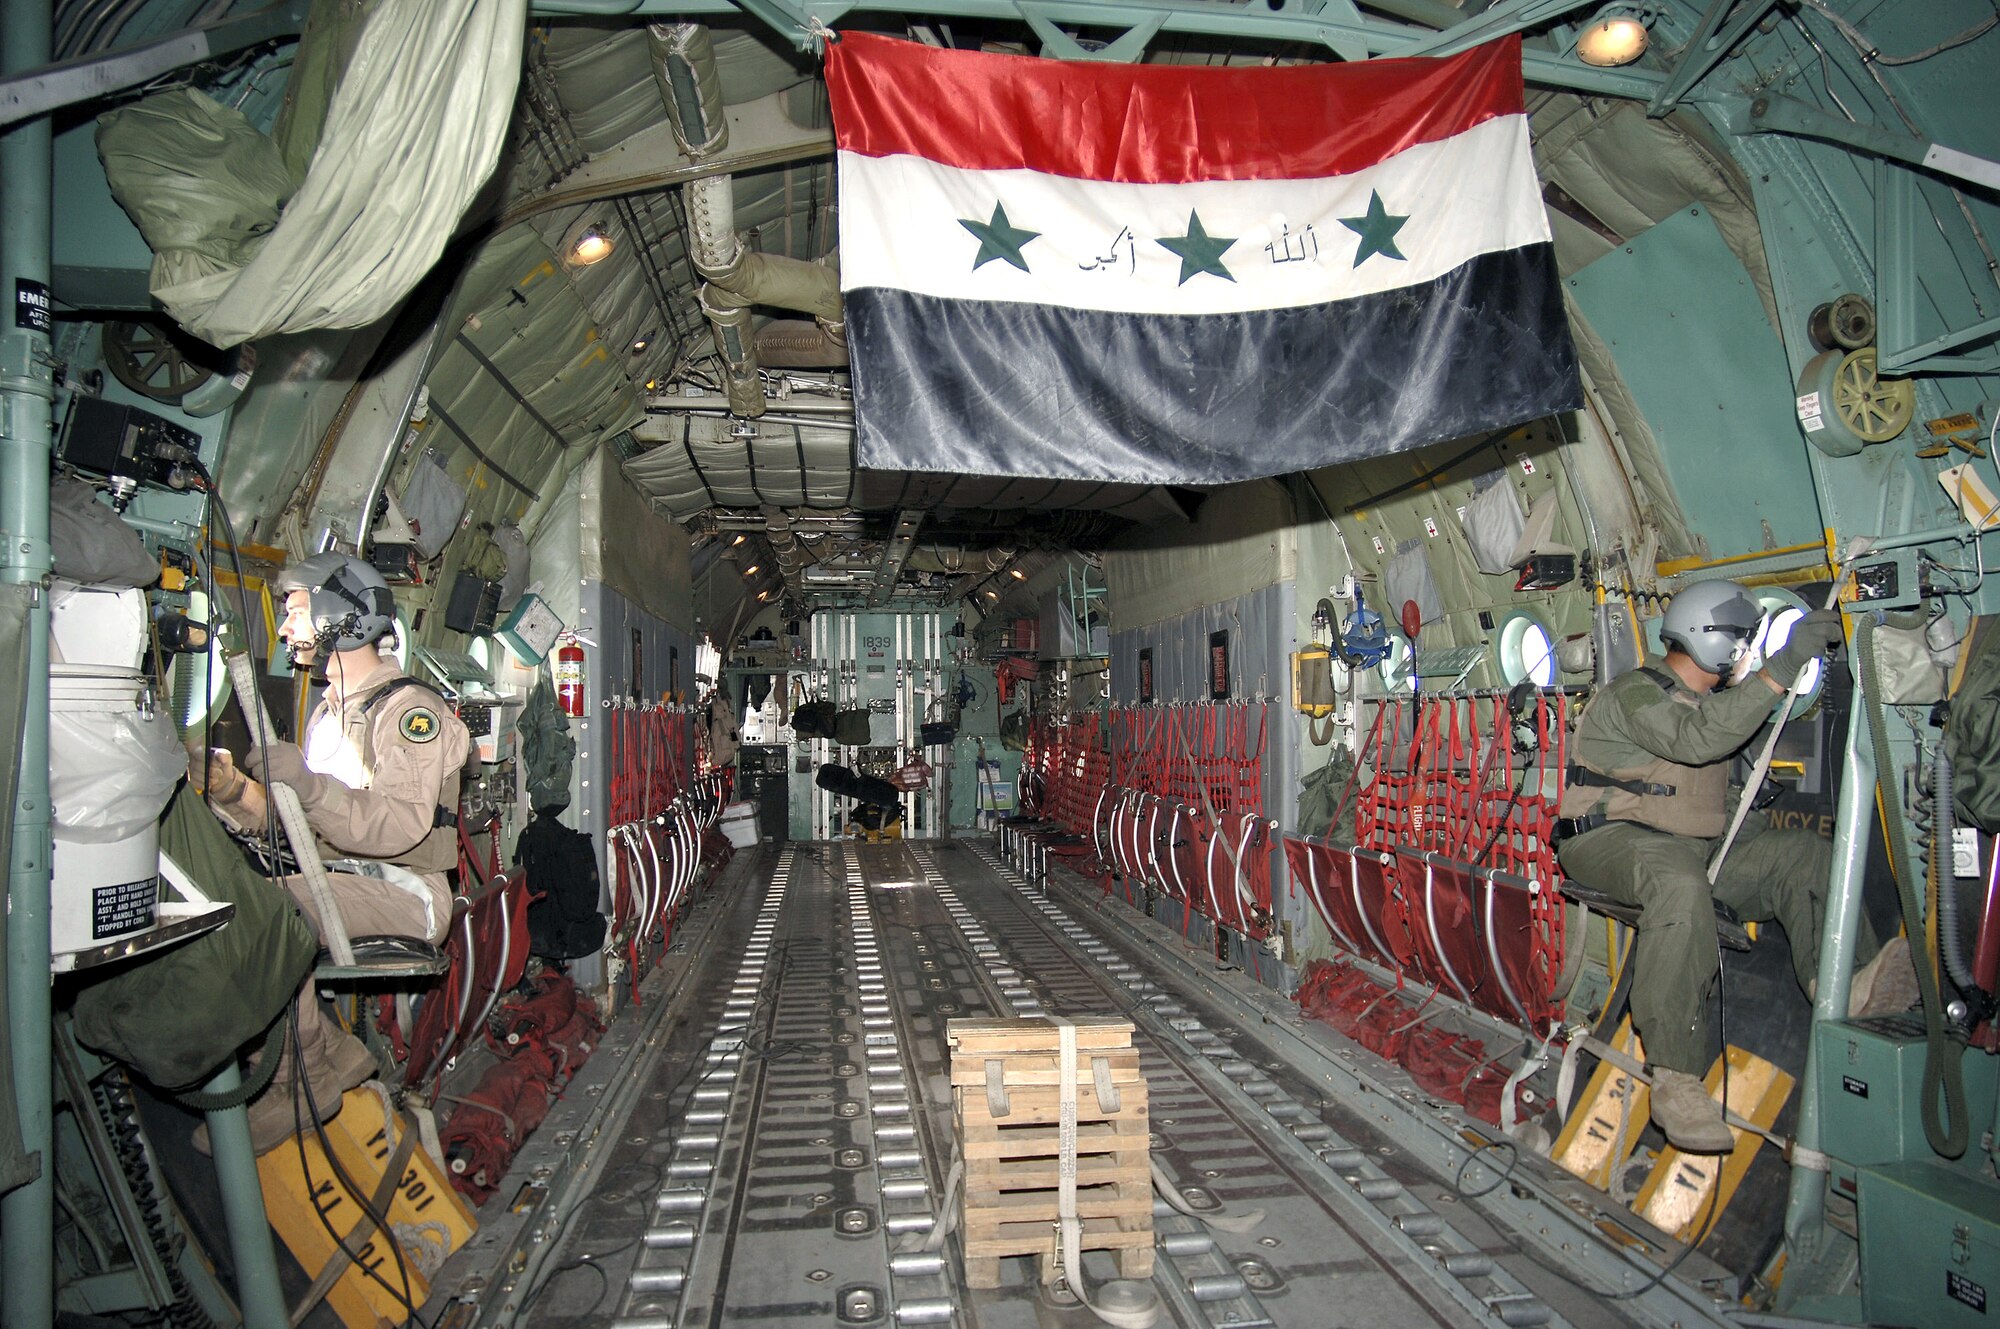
(1183, 274)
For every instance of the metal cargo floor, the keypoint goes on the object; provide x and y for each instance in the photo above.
(765, 1139)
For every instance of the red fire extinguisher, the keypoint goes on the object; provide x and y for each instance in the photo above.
(569, 676)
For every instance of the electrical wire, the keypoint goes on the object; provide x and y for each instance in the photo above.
(301, 1090)
(760, 1046)
(1714, 1196)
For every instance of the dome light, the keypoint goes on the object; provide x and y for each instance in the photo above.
(1017, 574)
(753, 569)
(592, 245)
(1616, 36)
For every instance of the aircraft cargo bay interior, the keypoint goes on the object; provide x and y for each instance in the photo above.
(1015, 664)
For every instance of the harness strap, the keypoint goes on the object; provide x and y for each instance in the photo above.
(1583, 775)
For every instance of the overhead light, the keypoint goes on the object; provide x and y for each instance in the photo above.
(651, 384)
(763, 595)
(738, 540)
(753, 569)
(592, 245)
(1017, 574)
(991, 595)
(1616, 36)
(641, 342)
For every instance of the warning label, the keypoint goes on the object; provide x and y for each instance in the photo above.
(1960, 1288)
(117, 910)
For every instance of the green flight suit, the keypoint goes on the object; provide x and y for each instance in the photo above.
(1661, 737)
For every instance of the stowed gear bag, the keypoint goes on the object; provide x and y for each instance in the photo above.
(814, 719)
(1972, 737)
(564, 922)
(178, 1014)
(861, 788)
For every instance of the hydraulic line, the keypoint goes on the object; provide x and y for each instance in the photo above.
(1943, 1074)
(1951, 938)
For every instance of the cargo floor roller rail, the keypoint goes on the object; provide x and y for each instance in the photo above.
(767, 1138)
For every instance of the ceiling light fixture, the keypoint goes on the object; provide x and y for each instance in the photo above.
(1616, 36)
(641, 342)
(738, 540)
(1017, 574)
(592, 245)
(753, 569)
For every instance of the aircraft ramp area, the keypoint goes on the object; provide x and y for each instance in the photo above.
(767, 1137)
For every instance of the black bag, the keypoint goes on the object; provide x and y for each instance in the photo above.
(938, 734)
(851, 729)
(862, 788)
(564, 922)
(178, 1014)
(813, 719)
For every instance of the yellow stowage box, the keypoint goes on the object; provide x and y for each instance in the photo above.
(429, 1218)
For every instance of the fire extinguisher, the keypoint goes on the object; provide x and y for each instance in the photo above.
(569, 676)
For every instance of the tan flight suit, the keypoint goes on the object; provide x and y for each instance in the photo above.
(391, 755)
(1669, 748)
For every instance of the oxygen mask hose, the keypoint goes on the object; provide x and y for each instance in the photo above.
(1951, 936)
(1943, 1073)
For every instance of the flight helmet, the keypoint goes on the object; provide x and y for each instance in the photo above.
(351, 605)
(1713, 621)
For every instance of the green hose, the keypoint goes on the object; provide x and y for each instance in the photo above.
(1942, 1058)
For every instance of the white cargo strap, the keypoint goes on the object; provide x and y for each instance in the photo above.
(1509, 1113)
(1566, 1077)
(1069, 1225)
(292, 816)
(1107, 1092)
(1219, 1218)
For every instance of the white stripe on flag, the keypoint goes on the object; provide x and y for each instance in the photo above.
(1475, 193)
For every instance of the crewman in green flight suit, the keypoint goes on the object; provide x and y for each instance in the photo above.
(1648, 790)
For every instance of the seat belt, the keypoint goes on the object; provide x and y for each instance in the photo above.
(292, 816)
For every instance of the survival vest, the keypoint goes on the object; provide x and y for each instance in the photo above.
(1662, 794)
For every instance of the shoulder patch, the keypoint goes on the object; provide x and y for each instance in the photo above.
(419, 724)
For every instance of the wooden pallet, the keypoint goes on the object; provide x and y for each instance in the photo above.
(1011, 1197)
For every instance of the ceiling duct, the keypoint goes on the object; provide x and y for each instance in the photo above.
(895, 553)
(734, 279)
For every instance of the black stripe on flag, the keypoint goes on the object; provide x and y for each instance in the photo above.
(994, 388)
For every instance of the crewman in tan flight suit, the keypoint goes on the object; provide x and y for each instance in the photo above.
(378, 778)
(1646, 803)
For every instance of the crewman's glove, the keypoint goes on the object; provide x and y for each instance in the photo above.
(283, 763)
(214, 774)
(1812, 636)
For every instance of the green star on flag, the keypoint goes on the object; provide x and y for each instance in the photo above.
(1377, 230)
(999, 238)
(1198, 250)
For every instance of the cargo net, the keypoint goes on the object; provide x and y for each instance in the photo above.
(1184, 811)
(1064, 771)
(1452, 881)
(662, 842)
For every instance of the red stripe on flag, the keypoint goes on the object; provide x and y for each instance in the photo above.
(1156, 124)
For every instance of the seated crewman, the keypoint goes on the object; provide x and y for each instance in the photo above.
(1649, 789)
(379, 781)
